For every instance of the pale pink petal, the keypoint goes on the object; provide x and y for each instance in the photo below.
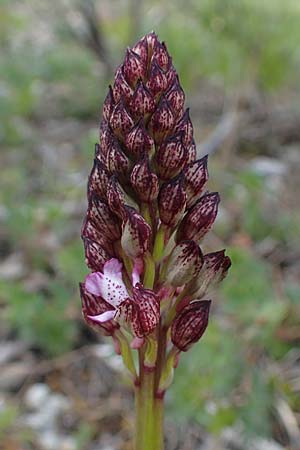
(137, 270)
(108, 285)
(137, 342)
(104, 317)
(93, 283)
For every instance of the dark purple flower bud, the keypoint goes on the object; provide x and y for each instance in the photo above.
(141, 49)
(161, 55)
(144, 181)
(190, 324)
(104, 220)
(171, 202)
(136, 234)
(116, 198)
(175, 96)
(162, 121)
(117, 162)
(134, 67)
(157, 81)
(148, 311)
(170, 157)
(199, 219)
(214, 270)
(98, 180)
(93, 306)
(191, 153)
(142, 102)
(121, 88)
(108, 104)
(184, 263)
(138, 141)
(196, 175)
(185, 126)
(120, 120)
(95, 255)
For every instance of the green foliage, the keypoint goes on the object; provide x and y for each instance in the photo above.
(40, 319)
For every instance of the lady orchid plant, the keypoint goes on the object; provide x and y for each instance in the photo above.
(146, 215)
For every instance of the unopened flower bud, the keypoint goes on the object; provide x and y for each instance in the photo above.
(199, 219)
(108, 104)
(195, 175)
(161, 55)
(184, 263)
(117, 162)
(162, 121)
(136, 234)
(185, 127)
(191, 153)
(116, 198)
(215, 268)
(157, 81)
(134, 67)
(170, 157)
(142, 102)
(175, 96)
(105, 221)
(95, 255)
(121, 88)
(144, 181)
(98, 180)
(138, 141)
(171, 202)
(148, 308)
(190, 324)
(141, 49)
(120, 120)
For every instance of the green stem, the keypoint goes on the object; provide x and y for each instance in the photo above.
(146, 421)
(158, 432)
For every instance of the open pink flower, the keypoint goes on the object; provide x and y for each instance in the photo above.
(138, 312)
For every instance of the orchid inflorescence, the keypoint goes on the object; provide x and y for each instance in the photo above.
(146, 214)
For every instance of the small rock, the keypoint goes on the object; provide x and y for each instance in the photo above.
(36, 395)
(10, 350)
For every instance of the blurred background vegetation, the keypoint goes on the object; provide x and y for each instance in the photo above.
(239, 63)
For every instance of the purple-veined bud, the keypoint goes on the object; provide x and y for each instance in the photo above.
(105, 221)
(134, 67)
(175, 96)
(184, 263)
(170, 157)
(98, 180)
(214, 270)
(199, 219)
(157, 81)
(151, 39)
(136, 234)
(190, 324)
(171, 202)
(195, 175)
(191, 153)
(95, 254)
(185, 127)
(120, 120)
(90, 231)
(141, 49)
(142, 102)
(148, 310)
(138, 141)
(93, 306)
(108, 104)
(161, 55)
(162, 121)
(121, 88)
(116, 198)
(144, 181)
(116, 161)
